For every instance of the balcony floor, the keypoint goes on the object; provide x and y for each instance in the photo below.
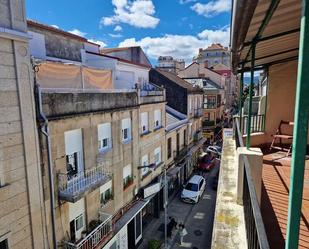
(274, 207)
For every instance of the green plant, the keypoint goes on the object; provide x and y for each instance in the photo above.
(154, 244)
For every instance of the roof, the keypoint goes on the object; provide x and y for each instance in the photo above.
(215, 46)
(205, 82)
(36, 24)
(220, 66)
(119, 59)
(110, 50)
(174, 119)
(179, 81)
(273, 24)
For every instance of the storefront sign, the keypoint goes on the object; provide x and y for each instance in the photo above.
(152, 189)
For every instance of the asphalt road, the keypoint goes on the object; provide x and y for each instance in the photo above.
(198, 218)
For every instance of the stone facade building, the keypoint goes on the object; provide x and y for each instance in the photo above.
(22, 217)
(169, 64)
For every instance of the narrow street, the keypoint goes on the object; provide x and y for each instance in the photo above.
(198, 219)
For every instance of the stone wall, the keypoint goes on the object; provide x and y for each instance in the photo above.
(21, 213)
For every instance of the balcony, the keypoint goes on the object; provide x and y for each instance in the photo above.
(198, 113)
(181, 154)
(197, 136)
(257, 123)
(210, 106)
(73, 188)
(150, 93)
(102, 230)
(239, 222)
(208, 123)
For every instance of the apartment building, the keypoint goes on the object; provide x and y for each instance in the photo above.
(105, 121)
(213, 108)
(22, 216)
(213, 55)
(169, 64)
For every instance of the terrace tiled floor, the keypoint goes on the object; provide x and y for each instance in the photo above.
(274, 207)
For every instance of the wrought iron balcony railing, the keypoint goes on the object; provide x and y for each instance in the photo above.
(101, 231)
(72, 188)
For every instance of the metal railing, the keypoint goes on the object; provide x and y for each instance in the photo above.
(210, 105)
(255, 230)
(70, 187)
(198, 112)
(96, 237)
(257, 123)
(197, 136)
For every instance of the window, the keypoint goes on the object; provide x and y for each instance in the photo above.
(4, 244)
(127, 176)
(184, 137)
(79, 222)
(104, 136)
(74, 152)
(144, 122)
(157, 118)
(106, 193)
(157, 155)
(210, 102)
(126, 129)
(169, 147)
(144, 162)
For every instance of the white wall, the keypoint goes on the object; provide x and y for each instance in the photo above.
(37, 45)
(140, 73)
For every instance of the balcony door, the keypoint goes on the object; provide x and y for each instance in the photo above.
(74, 152)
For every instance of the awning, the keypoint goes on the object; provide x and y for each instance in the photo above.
(130, 214)
(173, 171)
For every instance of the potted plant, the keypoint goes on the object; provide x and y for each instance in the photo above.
(154, 244)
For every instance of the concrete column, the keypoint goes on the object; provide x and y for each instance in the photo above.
(255, 158)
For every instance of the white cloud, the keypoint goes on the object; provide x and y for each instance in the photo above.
(179, 46)
(118, 28)
(115, 35)
(186, 1)
(137, 13)
(212, 8)
(217, 36)
(101, 43)
(55, 26)
(77, 32)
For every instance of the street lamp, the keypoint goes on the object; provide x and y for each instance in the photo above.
(153, 166)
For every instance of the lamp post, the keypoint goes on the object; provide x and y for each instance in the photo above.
(152, 166)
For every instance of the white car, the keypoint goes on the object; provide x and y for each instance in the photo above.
(214, 149)
(194, 189)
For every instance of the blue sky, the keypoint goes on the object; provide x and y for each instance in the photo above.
(161, 27)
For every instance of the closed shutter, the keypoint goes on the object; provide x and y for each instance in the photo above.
(127, 171)
(126, 125)
(144, 122)
(104, 132)
(74, 145)
(157, 117)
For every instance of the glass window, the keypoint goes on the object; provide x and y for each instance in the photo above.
(157, 155)
(169, 147)
(127, 176)
(126, 129)
(106, 196)
(144, 122)
(72, 164)
(104, 136)
(79, 222)
(191, 186)
(157, 118)
(144, 162)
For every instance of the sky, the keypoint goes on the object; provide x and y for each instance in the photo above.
(161, 27)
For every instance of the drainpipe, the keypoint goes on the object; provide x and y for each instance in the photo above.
(300, 133)
(45, 131)
(250, 96)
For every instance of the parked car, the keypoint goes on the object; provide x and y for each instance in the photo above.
(207, 162)
(194, 189)
(214, 149)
